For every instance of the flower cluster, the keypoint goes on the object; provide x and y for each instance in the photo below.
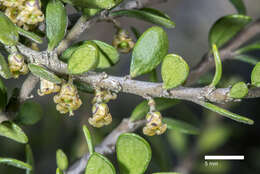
(17, 65)
(100, 110)
(123, 42)
(67, 99)
(24, 13)
(154, 125)
(47, 87)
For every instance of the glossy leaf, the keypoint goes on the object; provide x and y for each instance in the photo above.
(239, 90)
(180, 126)
(15, 163)
(108, 55)
(227, 113)
(239, 5)
(30, 35)
(84, 59)
(98, 164)
(43, 73)
(226, 28)
(12, 131)
(247, 59)
(56, 23)
(251, 47)
(149, 51)
(142, 109)
(147, 14)
(29, 113)
(9, 34)
(218, 66)
(103, 4)
(29, 158)
(62, 160)
(175, 71)
(89, 140)
(3, 96)
(133, 154)
(4, 68)
(255, 75)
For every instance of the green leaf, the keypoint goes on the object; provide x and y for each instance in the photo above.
(212, 138)
(255, 75)
(149, 51)
(29, 113)
(66, 55)
(15, 163)
(56, 23)
(147, 14)
(41, 72)
(248, 48)
(98, 164)
(90, 11)
(29, 35)
(4, 68)
(59, 171)
(89, 140)
(218, 65)
(62, 160)
(84, 87)
(180, 126)
(226, 28)
(9, 34)
(175, 71)
(247, 59)
(103, 4)
(227, 113)
(85, 58)
(239, 5)
(108, 54)
(142, 109)
(239, 90)
(29, 158)
(3, 96)
(133, 153)
(10, 130)
(135, 32)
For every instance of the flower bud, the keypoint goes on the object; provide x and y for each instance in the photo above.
(67, 99)
(17, 65)
(154, 124)
(47, 87)
(101, 115)
(123, 42)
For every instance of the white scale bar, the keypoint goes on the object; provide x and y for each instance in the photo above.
(222, 157)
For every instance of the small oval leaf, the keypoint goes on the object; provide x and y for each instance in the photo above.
(29, 113)
(4, 68)
(9, 34)
(175, 71)
(142, 109)
(66, 55)
(255, 75)
(226, 28)
(103, 4)
(98, 164)
(89, 139)
(30, 35)
(149, 51)
(85, 58)
(10, 130)
(41, 72)
(147, 14)
(56, 23)
(133, 153)
(239, 90)
(15, 163)
(62, 160)
(108, 54)
(180, 126)
(239, 5)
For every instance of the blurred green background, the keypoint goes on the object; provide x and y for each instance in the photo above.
(173, 150)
